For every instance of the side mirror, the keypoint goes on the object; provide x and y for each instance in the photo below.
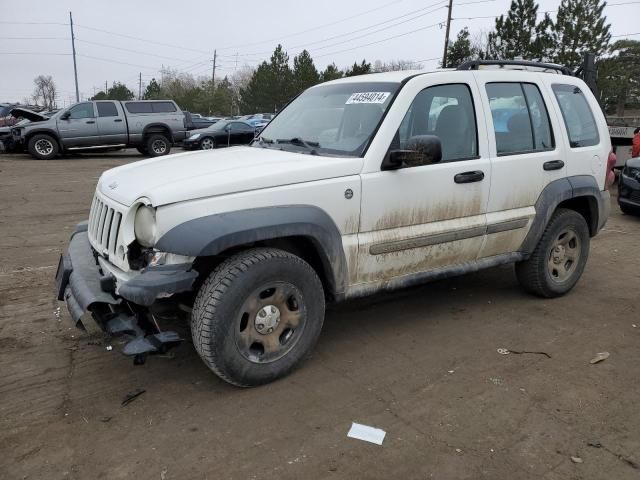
(65, 116)
(421, 150)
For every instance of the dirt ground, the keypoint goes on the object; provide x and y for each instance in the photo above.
(420, 364)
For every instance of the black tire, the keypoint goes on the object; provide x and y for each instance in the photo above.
(545, 273)
(43, 146)
(225, 326)
(207, 140)
(142, 150)
(628, 210)
(157, 145)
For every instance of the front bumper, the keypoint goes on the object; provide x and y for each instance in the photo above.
(85, 288)
(191, 144)
(628, 191)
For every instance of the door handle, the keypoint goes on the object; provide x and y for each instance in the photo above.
(118, 120)
(553, 165)
(91, 121)
(469, 177)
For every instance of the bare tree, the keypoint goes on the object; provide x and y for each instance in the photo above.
(395, 65)
(45, 92)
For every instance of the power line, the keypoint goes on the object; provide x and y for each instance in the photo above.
(34, 38)
(625, 35)
(130, 50)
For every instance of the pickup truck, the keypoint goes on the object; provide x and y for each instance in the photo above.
(150, 126)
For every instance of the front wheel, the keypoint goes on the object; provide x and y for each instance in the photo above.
(207, 143)
(43, 147)
(257, 315)
(557, 262)
(157, 145)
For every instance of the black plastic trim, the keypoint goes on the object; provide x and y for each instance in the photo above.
(158, 281)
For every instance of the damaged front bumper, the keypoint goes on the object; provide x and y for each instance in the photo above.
(85, 287)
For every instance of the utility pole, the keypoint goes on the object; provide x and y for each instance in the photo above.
(446, 38)
(140, 87)
(105, 87)
(213, 72)
(73, 48)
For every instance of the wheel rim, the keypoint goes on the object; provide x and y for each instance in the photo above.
(564, 256)
(159, 146)
(207, 144)
(44, 147)
(270, 322)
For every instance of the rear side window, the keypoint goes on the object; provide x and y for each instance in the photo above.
(138, 107)
(577, 115)
(164, 107)
(520, 118)
(107, 109)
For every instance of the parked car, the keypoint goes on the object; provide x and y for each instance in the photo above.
(224, 133)
(629, 187)
(257, 119)
(20, 117)
(6, 119)
(354, 188)
(151, 126)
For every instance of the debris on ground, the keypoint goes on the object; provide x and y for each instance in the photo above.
(507, 351)
(451, 371)
(599, 357)
(130, 397)
(105, 419)
(458, 450)
(109, 348)
(365, 433)
(576, 459)
(594, 444)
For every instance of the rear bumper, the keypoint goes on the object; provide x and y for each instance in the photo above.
(85, 288)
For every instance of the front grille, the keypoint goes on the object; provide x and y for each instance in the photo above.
(104, 226)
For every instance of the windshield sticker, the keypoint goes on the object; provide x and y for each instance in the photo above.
(367, 97)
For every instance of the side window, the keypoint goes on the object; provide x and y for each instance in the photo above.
(107, 109)
(445, 111)
(82, 110)
(520, 118)
(138, 107)
(577, 115)
(164, 107)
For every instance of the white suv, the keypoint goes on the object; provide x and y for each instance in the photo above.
(359, 185)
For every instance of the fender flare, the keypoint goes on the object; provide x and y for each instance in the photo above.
(213, 234)
(558, 191)
(159, 126)
(48, 131)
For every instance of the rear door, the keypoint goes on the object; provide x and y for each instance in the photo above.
(111, 125)
(525, 153)
(80, 128)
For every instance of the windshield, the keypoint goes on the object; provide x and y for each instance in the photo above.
(330, 119)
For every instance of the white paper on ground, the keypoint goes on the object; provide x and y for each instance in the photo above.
(368, 434)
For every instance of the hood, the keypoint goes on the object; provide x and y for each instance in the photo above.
(28, 114)
(206, 173)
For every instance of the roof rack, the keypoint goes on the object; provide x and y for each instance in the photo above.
(476, 64)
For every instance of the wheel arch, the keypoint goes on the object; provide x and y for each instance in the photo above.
(579, 193)
(162, 128)
(47, 131)
(303, 230)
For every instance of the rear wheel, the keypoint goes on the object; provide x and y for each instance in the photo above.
(558, 260)
(257, 315)
(43, 146)
(157, 145)
(207, 143)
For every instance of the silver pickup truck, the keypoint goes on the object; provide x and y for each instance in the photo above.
(151, 126)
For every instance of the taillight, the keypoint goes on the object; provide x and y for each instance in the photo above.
(610, 176)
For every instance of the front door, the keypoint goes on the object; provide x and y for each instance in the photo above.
(111, 124)
(427, 217)
(79, 128)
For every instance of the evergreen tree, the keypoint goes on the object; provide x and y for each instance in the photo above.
(619, 78)
(519, 34)
(358, 69)
(119, 91)
(330, 73)
(461, 49)
(152, 91)
(271, 85)
(305, 73)
(580, 27)
(223, 97)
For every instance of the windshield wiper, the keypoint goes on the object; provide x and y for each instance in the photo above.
(299, 141)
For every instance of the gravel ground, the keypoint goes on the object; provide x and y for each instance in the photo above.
(420, 364)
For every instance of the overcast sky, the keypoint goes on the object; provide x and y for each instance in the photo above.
(243, 32)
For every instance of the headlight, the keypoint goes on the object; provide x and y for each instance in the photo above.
(195, 136)
(145, 226)
(632, 172)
